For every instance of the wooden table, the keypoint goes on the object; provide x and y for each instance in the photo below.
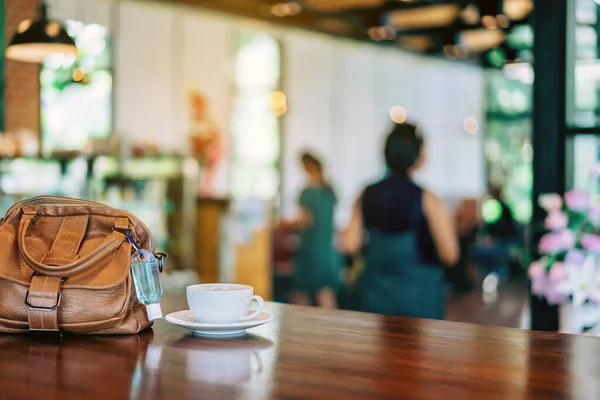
(307, 353)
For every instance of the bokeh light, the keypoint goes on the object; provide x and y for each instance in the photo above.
(278, 103)
(471, 125)
(502, 21)
(78, 74)
(24, 25)
(491, 210)
(489, 22)
(398, 114)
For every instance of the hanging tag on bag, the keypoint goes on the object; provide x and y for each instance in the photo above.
(146, 277)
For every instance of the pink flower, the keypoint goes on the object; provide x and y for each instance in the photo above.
(550, 243)
(536, 270)
(558, 272)
(556, 221)
(542, 287)
(555, 242)
(567, 238)
(539, 279)
(590, 242)
(539, 287)
(554, 297)
(594, 214)
(575, 257)
(577, 200)
(546, 285)
(550, 202)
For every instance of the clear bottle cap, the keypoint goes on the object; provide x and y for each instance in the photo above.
(154, 311)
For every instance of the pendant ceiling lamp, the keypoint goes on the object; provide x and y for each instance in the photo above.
(35, 40)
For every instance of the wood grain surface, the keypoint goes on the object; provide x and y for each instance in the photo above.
(307, 353)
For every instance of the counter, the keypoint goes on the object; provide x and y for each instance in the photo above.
(307, 353)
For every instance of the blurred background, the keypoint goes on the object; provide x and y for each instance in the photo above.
(192, 115)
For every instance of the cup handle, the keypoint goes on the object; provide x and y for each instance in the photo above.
(259, 362)
(261, 304)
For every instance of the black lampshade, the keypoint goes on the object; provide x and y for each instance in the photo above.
(35, 40)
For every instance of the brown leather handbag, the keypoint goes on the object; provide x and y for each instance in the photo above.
(65, 267)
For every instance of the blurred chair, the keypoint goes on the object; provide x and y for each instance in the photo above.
(467, 217)
(284, 243)
(497, 245)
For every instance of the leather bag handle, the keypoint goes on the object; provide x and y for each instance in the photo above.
(107, 247)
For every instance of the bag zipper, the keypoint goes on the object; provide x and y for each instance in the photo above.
(67, 201)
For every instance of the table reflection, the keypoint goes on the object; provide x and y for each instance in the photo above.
(52, 370)
(226, 360)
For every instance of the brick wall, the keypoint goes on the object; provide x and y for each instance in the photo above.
(21, 80)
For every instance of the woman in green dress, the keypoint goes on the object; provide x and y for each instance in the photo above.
(316, 262)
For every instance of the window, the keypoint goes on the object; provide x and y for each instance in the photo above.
(255, 125)
(583, 152)
(508, 148)
(583, 68)
(76, 94)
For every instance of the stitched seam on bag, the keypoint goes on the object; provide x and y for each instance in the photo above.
(85, 287)
(65, 327)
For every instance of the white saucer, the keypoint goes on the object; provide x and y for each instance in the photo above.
(186, 319)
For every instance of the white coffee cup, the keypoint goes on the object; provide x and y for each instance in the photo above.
(222, 303)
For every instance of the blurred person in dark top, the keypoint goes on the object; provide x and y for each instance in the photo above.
(496, 240)
(505, 227)
(407, 234)
(467, 218)
(317, 263)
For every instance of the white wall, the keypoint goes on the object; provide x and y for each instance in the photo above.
(311, 118)
(339, 94)
(145, 67)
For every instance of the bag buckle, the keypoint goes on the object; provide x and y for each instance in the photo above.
(39, 308)
(160, 257)
(32, 307)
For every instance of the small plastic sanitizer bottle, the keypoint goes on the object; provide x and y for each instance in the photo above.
(146, 278)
